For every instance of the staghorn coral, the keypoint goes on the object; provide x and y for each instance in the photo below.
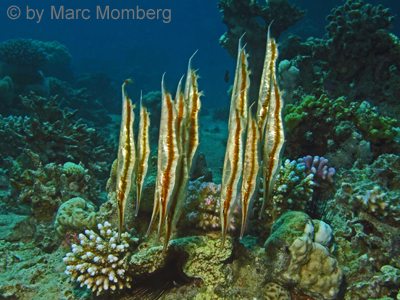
(90, 105)
(202, 207)
(292, 191)
(75, 214)
(99, 262)
(23, 52)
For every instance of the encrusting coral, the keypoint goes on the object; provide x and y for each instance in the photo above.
(99, 262)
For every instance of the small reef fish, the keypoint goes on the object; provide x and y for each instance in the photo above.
(143, 152)
(226, 77)
(233, 161)
(126, 157)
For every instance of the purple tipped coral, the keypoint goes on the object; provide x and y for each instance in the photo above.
(318, 167)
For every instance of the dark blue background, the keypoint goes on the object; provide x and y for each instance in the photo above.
(144, 49)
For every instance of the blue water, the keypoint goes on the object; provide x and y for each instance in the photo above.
(145, 49)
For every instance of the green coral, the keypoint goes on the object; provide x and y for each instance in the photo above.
(293, 116)
(71, 168)
(364, 118)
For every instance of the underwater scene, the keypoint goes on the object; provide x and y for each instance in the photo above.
(215, 149)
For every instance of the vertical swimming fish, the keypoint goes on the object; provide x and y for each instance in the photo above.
(188, 107)
(168, 155)
(180, 173)
(233, 161)
(143, 152)
(271, 55)
(274, 142)
(126, 156)
(251, 167)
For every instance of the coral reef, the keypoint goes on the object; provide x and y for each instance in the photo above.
(206, 259)
(23, 52)
(365, 233)
(202, 207)
(358, 58)
(28, 272)
(86, 100)
(74, 215)
(292, 191)
(275, 291)
(99, 262)
(288, 76)
(353, 30)
(318, 167)
(55, 136)
(308, 263)
(240, 16)
(335, 122)
(58, 60)
(371, 192)
(45, 187)
(6, 91)
(353, 150)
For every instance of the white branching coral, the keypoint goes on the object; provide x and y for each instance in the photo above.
(99, 261)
